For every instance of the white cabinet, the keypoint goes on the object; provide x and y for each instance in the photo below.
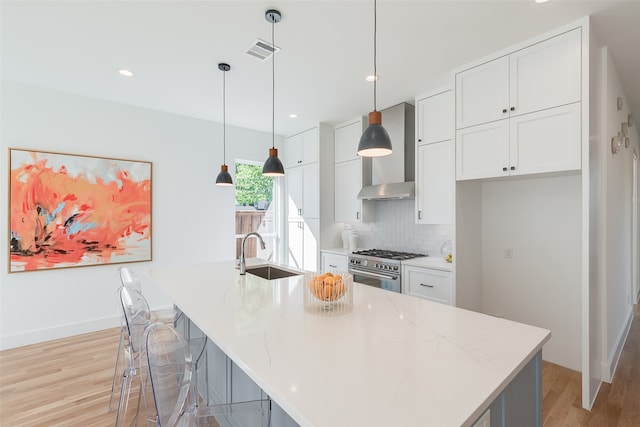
(520, 114)
(435, 117)
(302, 148)
(303, 244)
(347, 136)
(333, 261)
(544, 141)
(351, 174)
(303, 185)
(435, 159)
(540, 76)
(434, 186)
(310, 200)
(431, 284)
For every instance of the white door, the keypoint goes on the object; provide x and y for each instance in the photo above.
(295, 250)
(435, 118)
(546, 141)
(347, 186)
(310, 190)
(434, 187)
(482, 93)
(546, 74)
(310, 146)
(311, 232)
(293, 151)
(295, 201)
(346, 139)
(483, 151)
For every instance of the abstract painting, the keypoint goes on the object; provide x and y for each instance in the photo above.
(69, 210)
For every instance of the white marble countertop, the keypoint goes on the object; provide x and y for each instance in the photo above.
(393, 360)
(437, 263)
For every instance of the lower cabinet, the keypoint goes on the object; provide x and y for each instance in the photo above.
(431, 284)
(333, 261)
(303, 244)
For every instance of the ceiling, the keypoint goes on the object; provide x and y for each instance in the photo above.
(327, 50)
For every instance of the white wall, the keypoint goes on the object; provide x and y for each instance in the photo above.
(193, 220)
(617, 185)
(539, 219)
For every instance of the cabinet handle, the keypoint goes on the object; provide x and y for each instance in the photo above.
(300, 212)
(299, 161)
(513, 168)
(419, 214)
(300, 225)
(504, 169)
(419, 139)
(513, 108)
(504, 110)
(426, 286)
(357, 215)
(333, 266)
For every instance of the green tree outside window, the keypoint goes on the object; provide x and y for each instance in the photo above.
(251, 185)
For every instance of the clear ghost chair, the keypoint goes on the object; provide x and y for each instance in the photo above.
(169, 376)
(137, 317)
(129, 279)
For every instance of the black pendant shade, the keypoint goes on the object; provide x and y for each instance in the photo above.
(224, 178)
(375, 141)
(273, 165)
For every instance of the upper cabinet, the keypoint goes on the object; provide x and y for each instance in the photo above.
(544, 75)
(435, 158)
(302, 148)
(435, 117)
(347, 136)
(521, 113)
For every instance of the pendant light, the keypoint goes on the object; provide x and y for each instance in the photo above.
(273, 165)
(224, 178)
(375, 141)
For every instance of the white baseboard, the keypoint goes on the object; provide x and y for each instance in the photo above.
(609, 369)
(63, 331)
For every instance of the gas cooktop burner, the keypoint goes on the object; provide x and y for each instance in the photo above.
(381, 253)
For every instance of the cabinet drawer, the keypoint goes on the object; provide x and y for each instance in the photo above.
(332, 261)
(430, 284)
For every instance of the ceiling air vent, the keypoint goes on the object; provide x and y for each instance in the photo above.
(262, 50)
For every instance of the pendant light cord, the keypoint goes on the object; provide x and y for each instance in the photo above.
(224, 117)
(273, 86)
(375, 50)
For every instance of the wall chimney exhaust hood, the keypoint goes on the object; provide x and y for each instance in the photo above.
(393, 176)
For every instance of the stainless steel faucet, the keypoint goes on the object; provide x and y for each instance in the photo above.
(243, 263)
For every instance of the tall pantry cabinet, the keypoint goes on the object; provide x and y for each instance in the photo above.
(310, 202)
(519, 139)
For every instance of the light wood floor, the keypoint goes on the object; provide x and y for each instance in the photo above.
(67, 382)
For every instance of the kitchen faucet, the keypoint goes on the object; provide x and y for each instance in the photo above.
(243, 263)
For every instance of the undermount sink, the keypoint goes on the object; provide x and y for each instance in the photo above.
(270, 272)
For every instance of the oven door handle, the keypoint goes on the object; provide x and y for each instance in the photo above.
(369, 273)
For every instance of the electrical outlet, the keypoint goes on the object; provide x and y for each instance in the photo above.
(508, 253)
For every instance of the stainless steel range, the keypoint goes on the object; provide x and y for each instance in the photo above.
(379, 268)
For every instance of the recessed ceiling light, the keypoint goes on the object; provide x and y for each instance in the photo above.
(126, 73)
(371, 77)
(293, 116)
(541, 1)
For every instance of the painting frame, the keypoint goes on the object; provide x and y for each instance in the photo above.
(73, 210)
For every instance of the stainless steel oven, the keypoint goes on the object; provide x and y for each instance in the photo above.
(379, 268)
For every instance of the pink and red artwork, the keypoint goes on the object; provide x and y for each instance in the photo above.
(69, 211)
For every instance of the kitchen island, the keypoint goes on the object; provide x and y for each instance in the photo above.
(393, 360)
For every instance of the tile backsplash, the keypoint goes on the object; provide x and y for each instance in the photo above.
(394, 228)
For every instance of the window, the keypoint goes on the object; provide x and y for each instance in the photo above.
(256, 210)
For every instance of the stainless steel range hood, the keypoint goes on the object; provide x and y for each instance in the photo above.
(393, 176)
(397, 190)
